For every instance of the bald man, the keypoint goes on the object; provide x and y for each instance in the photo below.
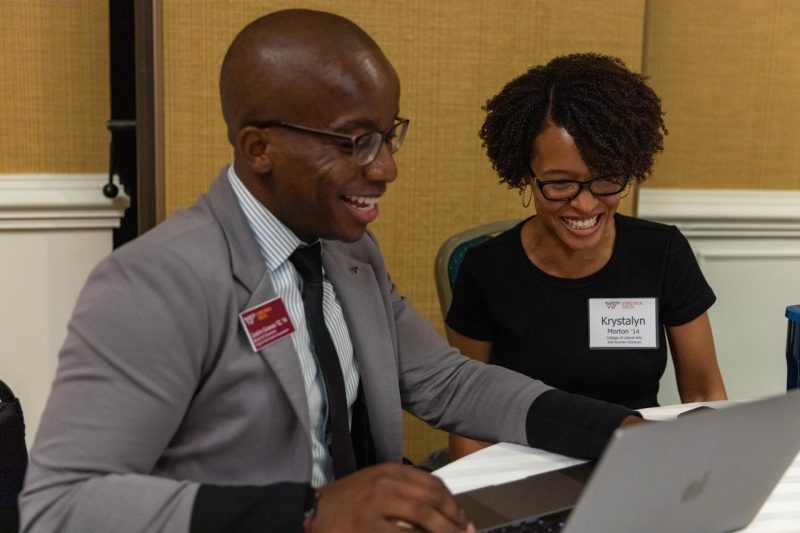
(189, 395)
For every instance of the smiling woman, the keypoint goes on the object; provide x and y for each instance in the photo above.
(546, 297)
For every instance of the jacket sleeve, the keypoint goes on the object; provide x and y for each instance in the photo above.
(488, 402)
(127, 373)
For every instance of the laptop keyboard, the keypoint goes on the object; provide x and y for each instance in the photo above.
(545, 524)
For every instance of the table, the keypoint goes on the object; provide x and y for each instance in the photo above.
(506, 462)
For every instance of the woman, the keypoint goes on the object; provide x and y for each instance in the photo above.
(578, 295)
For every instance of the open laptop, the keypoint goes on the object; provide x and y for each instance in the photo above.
(711, 471)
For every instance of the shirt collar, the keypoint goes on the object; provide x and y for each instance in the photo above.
(274, 238)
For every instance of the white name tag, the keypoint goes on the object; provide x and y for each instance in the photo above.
(622, 323)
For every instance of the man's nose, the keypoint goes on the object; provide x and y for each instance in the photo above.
(383, 167)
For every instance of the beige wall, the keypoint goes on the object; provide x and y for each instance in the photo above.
(726, 71)
(54, 84)
(54, 103)
(729, 77)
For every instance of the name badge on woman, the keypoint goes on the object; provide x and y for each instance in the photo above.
(623, 323)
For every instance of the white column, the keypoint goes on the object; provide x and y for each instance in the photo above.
(53, 229)
(748, 246)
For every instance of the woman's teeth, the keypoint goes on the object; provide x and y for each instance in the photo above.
(582, 223)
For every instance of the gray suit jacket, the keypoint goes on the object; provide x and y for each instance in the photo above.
(158, 390)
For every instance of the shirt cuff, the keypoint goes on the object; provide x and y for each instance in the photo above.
(571, 424)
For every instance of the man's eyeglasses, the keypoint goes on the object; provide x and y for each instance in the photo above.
(566, 190)
(364, 147)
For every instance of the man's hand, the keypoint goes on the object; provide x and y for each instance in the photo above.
(388, 497)
(631, 420)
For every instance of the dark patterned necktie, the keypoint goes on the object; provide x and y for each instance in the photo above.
(308, 262)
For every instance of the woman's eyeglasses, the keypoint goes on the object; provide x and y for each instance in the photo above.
(565, 190)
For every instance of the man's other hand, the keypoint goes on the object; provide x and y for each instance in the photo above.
(388, 497)
(632, 420)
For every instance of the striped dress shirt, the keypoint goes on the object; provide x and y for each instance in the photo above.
(277, 242)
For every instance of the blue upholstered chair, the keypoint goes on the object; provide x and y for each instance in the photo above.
(452, 252)
(448, 261)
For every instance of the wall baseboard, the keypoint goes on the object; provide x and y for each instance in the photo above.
(748, 245)
(58, 201)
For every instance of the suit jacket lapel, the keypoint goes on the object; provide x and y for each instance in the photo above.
(250, 271)
(365, 314)
(247, 263)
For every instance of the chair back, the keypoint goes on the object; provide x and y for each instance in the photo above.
(13, 458)
(452, 252)
(793, 347)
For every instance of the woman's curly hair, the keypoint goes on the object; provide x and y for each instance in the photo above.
(614, 117)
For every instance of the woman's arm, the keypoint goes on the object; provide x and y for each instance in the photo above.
(480, 351)
(695, 360)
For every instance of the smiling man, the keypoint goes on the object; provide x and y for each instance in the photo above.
(243, 366)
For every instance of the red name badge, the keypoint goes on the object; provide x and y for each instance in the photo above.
(266, 323)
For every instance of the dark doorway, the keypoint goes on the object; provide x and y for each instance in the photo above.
(131, 122)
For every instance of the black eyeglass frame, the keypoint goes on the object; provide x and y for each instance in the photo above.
(352, 139)
(581, 185)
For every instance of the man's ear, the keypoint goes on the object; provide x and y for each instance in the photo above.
(252, 143)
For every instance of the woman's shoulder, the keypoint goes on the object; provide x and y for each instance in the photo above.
(500, 245)
(635, 222)
(646, 229)
(654, 239)
(497, 251)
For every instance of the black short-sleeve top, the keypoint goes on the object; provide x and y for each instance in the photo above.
(538, 323)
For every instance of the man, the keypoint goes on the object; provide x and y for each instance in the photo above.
(192, 391)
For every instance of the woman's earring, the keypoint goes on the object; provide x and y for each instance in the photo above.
(627, 190)
(526, 203)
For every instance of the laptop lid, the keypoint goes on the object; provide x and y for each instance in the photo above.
(711, 471)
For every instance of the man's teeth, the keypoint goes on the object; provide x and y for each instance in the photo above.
(364, 203)
(584, 223)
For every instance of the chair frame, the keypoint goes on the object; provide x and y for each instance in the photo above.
(444, 285)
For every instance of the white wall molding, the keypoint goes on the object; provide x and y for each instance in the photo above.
(724, 213)
(58, 201)
(714, 205)
(744, 253)
(748, 246)
(54, 228)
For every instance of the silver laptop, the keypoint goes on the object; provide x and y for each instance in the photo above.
(710, 471)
